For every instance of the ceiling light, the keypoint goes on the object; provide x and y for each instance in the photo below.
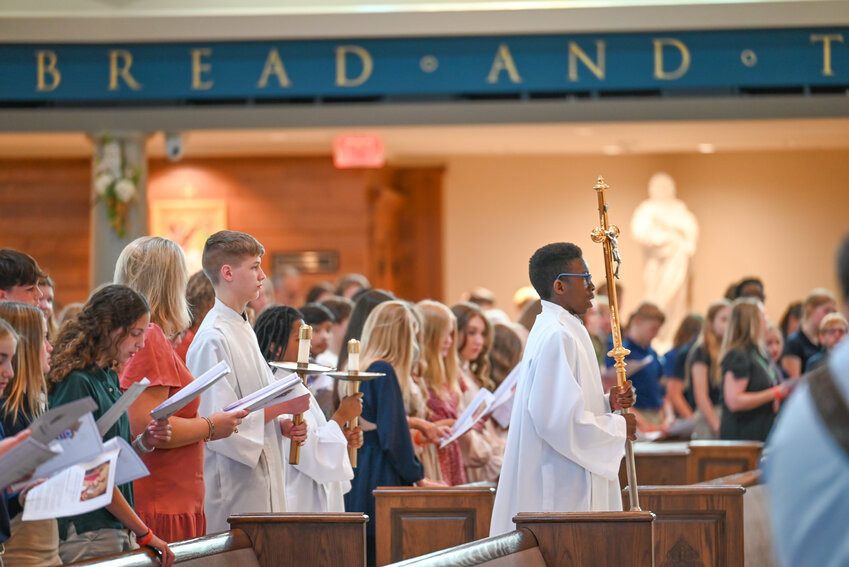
(705, 148)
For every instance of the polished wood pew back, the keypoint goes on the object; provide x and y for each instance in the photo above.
(588, 539)
(414, 521)
(696, 524)
(228, 549)
(680, 463)
(265, 540)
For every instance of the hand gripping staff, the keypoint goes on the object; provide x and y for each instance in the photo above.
(606, 234)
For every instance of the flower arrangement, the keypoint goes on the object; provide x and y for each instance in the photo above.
(115, 181)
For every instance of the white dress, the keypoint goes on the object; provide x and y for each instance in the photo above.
(564, 447)
(243, 473)
(323, 474)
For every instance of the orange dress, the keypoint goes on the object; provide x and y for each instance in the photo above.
(170, 500)
(183, 348)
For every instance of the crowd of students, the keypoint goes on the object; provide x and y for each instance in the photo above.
(725, 377)
(729, 370)
(156, 322)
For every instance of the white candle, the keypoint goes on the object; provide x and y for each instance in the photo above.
(354, 355)
(305, 336)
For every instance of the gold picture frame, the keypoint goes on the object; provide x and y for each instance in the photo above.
(188, 222)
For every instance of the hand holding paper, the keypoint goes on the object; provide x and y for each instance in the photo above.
(286, 389)
(470, 416)
(157, 433)
(113, 414)
(182, 398)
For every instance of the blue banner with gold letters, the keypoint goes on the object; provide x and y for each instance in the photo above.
(429, 68)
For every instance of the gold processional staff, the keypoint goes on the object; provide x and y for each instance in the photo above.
(607, 234)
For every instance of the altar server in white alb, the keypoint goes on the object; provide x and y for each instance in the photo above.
(323, 474)
(243, 473)
(565, 445)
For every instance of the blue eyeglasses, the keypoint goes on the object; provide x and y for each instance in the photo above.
(588, 279)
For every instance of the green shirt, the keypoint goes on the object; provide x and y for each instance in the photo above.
(102, 385)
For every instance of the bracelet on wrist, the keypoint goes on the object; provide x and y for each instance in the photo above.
(211, 426)
(139, 445)
(145, 539)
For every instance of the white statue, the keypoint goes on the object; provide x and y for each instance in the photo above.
(668, 232)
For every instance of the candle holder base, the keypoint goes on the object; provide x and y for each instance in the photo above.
(355, 376)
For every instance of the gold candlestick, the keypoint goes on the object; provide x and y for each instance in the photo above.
(353, 388)
(607, 234)
(304, 340)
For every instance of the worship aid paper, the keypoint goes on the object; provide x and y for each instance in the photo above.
(78, 489)
(479, 407)
(21, 459)
(197, 386)
(41, 446)
(502, 398)
(114, 413)
(80, 443)
(287, 388)
(129, 467)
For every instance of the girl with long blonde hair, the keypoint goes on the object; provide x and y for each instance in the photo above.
(169, 500)
(440, 373)
(25, 398)
(751, 392)
(387, 457)
(703, 372)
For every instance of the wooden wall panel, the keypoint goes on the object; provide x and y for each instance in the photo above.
(294, 204)
(44, 211)
(288, 204)
(414, 521)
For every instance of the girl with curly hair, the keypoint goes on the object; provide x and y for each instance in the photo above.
(106, 334)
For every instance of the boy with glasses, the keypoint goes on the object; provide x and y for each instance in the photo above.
(565, 445)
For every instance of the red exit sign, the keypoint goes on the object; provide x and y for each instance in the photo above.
(358, 150)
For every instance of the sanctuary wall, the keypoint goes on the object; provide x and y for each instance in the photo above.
(777, 215)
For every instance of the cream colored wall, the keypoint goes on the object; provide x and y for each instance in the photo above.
(777, 215)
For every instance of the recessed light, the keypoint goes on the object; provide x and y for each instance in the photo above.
(706, 148)
(612, 150)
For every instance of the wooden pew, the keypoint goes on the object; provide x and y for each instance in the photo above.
(680, 463)
(414, 521)
(621, 539)
(696, 524)
(758, 537)
(264, 540)
(593, 538)
(306, 540)
(714, 459)
(659, 464)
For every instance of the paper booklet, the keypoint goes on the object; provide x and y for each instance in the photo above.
(41, 446)
(502, 403)
(130, 467)
(286, 388)
(182, 398)
(81, 442)
(113, 414)
(479, 407)
(78, 489)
